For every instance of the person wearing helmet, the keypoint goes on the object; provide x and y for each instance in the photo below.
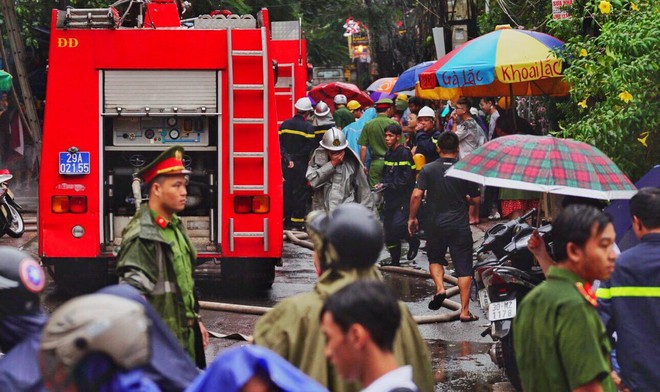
(397, 186)
(323, 121)
(21, 320)
(336, 175)
(354, 107)
(347, 243)
(342, 115)
(373, 139)
(157, 257)
(169, 366)
(96, 342)
(426, 135)
(296, 144)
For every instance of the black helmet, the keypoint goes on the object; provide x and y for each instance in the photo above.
(348, 237)
(21, 281)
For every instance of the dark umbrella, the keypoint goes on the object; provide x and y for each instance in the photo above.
(620, 211)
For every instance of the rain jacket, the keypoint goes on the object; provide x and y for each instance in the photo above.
(333, 186)
(145, 261)
(292, 329)
(343, 117)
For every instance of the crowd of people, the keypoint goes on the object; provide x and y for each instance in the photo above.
(349, 333)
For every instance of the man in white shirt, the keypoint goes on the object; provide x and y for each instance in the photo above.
(359, 323)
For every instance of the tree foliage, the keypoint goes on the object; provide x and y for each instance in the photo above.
(614, 73)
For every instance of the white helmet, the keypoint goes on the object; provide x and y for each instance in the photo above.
(426, 112)
(103, 323)
(303, 104)
(321, 109)
(334, 140)
(340, 99)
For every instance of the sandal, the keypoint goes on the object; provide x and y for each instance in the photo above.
(469, 319)
(437, 301)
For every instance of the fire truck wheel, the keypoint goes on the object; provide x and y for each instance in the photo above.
(247, 274)
(81, 276)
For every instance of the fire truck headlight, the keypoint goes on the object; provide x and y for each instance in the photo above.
(252, 204)
(261, 204)
(77, 231)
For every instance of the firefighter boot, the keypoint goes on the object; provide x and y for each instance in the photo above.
(395, 253)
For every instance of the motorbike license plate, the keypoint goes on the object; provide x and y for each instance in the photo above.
(484, 301)
(502, 310)
(74, 164)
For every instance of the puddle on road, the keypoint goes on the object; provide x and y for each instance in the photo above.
(463, 366)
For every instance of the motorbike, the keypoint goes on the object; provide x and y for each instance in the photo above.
(492, 249)
(11, 220)
(507, 281)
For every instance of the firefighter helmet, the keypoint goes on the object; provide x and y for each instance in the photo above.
(334, 140)
(321, 109)
(350, 236)
(426, 112)
(303, 104)
(340, 99)
(21, 281)
(101, 323)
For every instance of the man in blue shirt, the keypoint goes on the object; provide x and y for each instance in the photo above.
(629, 303)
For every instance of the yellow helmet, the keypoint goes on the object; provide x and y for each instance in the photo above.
(353, 105)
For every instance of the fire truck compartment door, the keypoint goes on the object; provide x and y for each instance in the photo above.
(162, 92)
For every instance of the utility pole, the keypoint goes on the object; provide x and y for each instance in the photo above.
(29, 117)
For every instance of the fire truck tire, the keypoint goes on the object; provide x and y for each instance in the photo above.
(247, 274)
(81, 276)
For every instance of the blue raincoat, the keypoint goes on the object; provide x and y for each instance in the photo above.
(234, 367)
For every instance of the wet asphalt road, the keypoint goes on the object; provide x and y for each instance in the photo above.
(459, 354)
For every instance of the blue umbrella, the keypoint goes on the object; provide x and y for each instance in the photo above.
(620, 211)
(410, 77)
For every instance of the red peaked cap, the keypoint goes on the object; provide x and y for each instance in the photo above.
(168, 162)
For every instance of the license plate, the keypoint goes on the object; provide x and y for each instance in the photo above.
(484, 301)
(73, 164)
(502, 310)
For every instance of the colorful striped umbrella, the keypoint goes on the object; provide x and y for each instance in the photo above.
(382, 88)
(503, 62)
(545, 164)
(5, 81)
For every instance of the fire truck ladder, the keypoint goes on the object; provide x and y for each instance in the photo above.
(259, 85)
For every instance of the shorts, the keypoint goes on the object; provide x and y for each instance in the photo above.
(459, 243)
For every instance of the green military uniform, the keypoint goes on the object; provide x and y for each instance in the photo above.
(343, 117)
(292, 329)
(373, 136)
(156, 257)
(559, 340)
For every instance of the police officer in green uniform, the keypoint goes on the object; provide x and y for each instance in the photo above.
(157, 257)
(560, 342)
(373, 137)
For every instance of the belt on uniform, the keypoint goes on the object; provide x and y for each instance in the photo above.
(379, 158)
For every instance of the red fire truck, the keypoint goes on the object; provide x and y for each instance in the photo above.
(118, 96)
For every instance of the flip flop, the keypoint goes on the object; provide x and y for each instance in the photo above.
(437, 300)
(469, 319)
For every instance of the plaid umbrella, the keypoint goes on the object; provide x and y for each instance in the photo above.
(545, 164)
